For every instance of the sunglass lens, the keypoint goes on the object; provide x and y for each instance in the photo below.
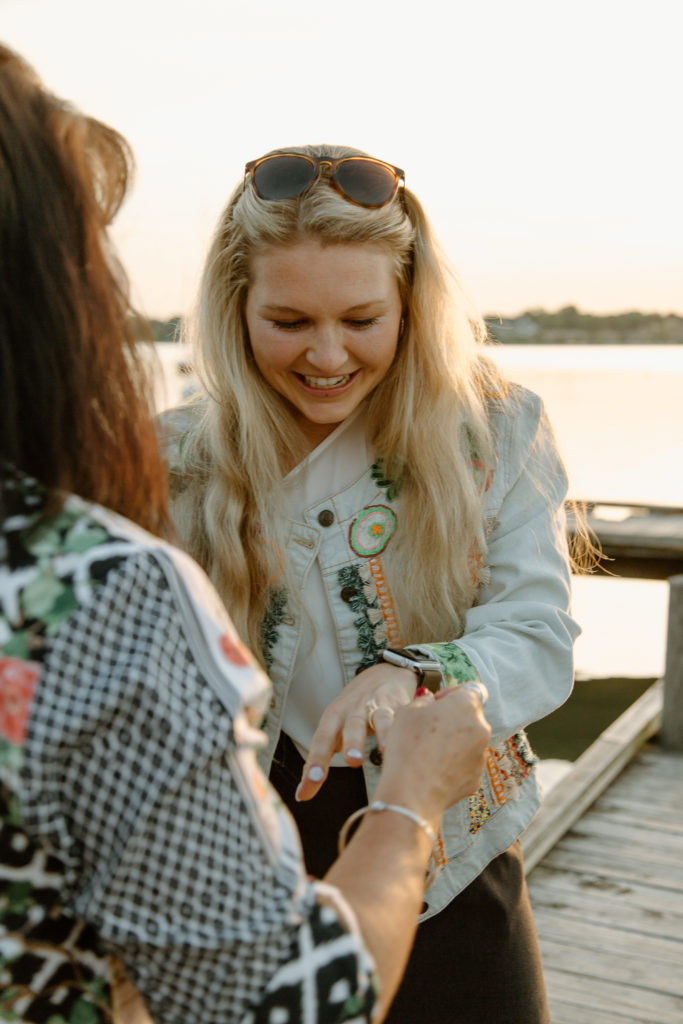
(366, 182)
(283, 177)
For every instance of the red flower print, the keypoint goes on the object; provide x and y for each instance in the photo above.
(18, 680)
(234, 651)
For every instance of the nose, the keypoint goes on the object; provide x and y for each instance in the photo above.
(327, 351)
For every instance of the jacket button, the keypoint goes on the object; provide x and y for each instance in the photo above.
(376, 756)
(326, 517)
(348, 594)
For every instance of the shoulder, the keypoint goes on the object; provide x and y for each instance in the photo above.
(174, 426)
(524, 439)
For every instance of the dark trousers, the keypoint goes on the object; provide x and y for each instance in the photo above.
(476, 962)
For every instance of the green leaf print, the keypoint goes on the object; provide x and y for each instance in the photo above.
(456, 666)
(83, 1012)
(65, 604)
(44, 538)
(18, 897)
(11, 757)
(98, 988)
(40, 595)
(17, 646)
(79, 540)
(7, 997)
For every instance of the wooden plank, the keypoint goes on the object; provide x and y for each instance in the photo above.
(606, 829)
(593, 771)
(607, 936)
(550, 910)
(569, 1013)
(569, 887)
(608, 897)
(645, 1005)
(621, 867)
(632, 970)
(630, 809)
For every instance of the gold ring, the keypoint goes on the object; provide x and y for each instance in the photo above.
(372, 708)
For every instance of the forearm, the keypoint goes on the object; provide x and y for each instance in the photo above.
(381, 874)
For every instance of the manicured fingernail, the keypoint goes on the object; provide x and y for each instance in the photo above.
(422, 691)
(355, 753)
(297, 791)
(316, 773)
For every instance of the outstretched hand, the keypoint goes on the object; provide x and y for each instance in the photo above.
(346, 722)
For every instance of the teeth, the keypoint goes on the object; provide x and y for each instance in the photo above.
(327, 382)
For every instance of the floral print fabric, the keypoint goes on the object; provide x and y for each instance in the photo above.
(134, 821)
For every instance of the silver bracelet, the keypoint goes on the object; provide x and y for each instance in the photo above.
(477, 687)
(438, 859)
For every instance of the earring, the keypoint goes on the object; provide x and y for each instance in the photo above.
(401, 327)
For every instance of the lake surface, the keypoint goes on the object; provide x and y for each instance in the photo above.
(618, 415)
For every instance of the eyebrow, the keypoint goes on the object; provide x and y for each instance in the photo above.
(359, 308)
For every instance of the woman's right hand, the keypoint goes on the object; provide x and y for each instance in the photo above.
(435, 752)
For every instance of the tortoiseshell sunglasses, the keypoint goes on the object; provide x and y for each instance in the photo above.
(361, 180)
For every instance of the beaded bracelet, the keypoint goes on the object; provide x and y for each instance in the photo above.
(437, 859)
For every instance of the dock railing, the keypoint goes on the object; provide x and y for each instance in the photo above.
(672, 711)
(659, 711)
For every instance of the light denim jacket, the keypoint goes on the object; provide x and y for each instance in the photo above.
(518, 636)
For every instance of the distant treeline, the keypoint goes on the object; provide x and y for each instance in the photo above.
(568, 326)
(160, 330)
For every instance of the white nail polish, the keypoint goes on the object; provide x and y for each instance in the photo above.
(355, 753)
(316, 773)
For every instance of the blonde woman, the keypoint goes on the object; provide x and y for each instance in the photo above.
(134, 821)
(381, 513)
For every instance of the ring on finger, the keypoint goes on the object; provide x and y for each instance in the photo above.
(373, 708)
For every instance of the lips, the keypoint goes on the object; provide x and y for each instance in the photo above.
(326, 383)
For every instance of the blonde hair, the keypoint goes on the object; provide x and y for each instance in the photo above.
(427, 419)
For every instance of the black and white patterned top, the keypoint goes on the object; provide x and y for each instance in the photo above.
(135, 821)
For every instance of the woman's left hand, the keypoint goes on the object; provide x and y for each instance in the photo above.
(347, 720)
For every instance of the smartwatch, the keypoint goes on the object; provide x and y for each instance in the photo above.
(426, 667)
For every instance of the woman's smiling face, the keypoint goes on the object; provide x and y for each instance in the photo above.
(323, 323)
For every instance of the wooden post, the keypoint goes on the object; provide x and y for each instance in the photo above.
(672, 711)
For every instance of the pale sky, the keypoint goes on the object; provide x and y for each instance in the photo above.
(543, 138)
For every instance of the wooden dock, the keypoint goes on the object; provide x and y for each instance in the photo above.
(605, 872)
(643, 541)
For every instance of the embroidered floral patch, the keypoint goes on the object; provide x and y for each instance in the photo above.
(371, 530)
(365, 604)
(390, 487)
(272, 620)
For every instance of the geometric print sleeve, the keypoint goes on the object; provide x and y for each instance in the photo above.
(143, 783)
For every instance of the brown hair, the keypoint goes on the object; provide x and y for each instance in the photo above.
(75, 412)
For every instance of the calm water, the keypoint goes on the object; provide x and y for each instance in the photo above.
(618, 416)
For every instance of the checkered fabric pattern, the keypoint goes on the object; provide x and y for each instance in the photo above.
(134, 779)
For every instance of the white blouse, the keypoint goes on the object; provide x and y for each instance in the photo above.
(341, 459)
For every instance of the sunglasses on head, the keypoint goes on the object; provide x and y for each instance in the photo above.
(359, 179)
